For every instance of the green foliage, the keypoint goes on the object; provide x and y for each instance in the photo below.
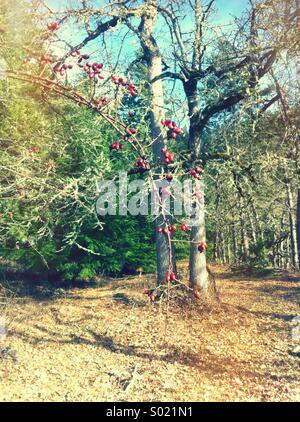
(53, 154)
(258, 257)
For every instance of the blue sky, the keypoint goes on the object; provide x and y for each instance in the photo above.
(226, 7)
(224, 12)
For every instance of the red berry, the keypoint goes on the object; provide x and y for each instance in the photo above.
(173, 135)
(171, 157)
(160, 230)
(172, 276)
(169, 177)
(53, 26)
(197, 294)
(202, 247)
(146, 292)
(184, 227)
(164, 150)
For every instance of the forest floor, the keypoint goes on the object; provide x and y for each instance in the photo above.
(110, 344)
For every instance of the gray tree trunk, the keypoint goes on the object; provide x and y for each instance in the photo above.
(165, 251)
(293, 230)
(199, 279)
(298, 223)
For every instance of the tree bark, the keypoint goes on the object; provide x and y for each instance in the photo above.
(298, 223)
(165, 251)
(199, 279)
(293, 230)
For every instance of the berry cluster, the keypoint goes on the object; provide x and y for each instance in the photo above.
(116, 146)
(167, 230)
(100, 103)
(202, 247)
(197, 172)
(150, 294)
(54, 26)
(170, 277)
(92, 70)
(169, 158)
(75, 53)
(119, 80)
(173, 130)
(62, 68)
(141, 163)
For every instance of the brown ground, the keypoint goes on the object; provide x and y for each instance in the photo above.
(94, 346)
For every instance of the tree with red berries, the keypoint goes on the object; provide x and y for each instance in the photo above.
(231, 77)
(224, 80)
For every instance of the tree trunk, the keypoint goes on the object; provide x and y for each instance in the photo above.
(298, 223)
(165, 251)
(244, 234)
(234, 244)
(216, 242)
(293, 231)
(198, 270)
(228, 246)
(199, 279)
